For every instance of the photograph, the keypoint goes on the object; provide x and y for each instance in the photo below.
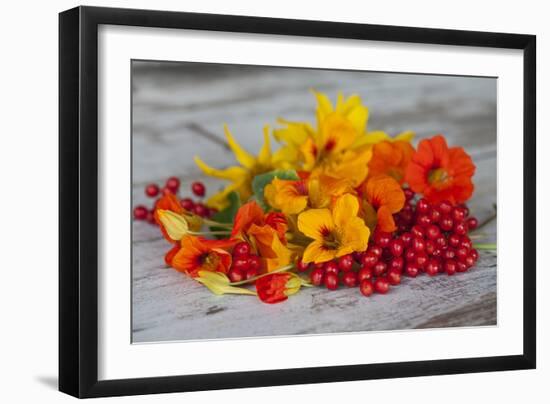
(278, 201)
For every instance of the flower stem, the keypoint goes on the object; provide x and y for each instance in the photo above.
(217, 224)
(213, 233)
(485, 246)
(255, 278)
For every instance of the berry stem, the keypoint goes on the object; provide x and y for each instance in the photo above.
(485, 246)
(486, 221)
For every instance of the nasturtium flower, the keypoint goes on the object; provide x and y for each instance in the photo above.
(266, 233)
(200, 254)
(293, 196)
(334, 232)
(382, 197)
(241, 175)
(390, 158)
(441, 173)
(377, 136)
(275, 288)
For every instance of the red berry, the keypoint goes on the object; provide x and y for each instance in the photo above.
(369, 259)
(394, 277)
(409, 194)
(198, 188)
(458, 214)
(167, 191)
(450, 266)
(376, 250)
(461, 253)
(432, 267)
(435, 215)
(469, 261)
(432, 231)
(151, 217)
(448, 253)
(364, 273)
(474, 253)
(173, 184)
(140, 212)
(152, 190)
(397, 247)
(445, 207)
(235, 275)
(465, 242)
(187, 204)
(331, 267)
(240, 264)
(331, 281)
(454, 240)
(421, 259)
(460, 229)
(446, 223)
(461, 267)
(366, 287)
(317, 276)
(422, 206)
(381, 285)
(472, 223)
(200, 210)
(396, 264)
(350, 279)
(423, 220)
(242, 248)
(406, 238)
(418, 244)
(302, 266)
(345, 263)
(412, 270)
(430, 247)
(379, 268)
(254, 263)
(417, 231)
(382, 239)
(441, 241)
(410, 255)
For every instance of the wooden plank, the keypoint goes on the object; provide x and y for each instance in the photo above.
(179, 112)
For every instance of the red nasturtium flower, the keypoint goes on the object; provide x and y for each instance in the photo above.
(251, 222)
(441, 173)
(200, 254)
(275, 288)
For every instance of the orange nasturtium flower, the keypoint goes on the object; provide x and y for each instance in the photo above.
(275, 288)
(334, 233)
(266, 233)
(293, 196)
(390, 158)
(200, 254)
(441, 173)
(383, 196)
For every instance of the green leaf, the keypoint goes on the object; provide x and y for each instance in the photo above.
(260, 181)
(228, 214)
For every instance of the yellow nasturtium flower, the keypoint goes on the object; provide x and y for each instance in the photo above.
(334, 232)
(240, 175)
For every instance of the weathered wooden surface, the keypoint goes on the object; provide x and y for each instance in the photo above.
(178, 112)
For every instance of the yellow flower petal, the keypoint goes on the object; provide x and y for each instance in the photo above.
(355, 235)
(314, 222)
(345, 208)
(231, 173)
(264, 157)
(315, 252)
(246, 159)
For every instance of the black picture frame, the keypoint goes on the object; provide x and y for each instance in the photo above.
(78, 196)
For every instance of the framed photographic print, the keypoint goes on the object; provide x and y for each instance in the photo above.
(251, 201)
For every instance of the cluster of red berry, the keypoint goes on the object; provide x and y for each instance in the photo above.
(245, 263)
(430, 238)
(172, 185)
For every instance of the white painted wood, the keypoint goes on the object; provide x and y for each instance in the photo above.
(179, 112)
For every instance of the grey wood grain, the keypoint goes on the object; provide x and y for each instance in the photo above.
(178, 112)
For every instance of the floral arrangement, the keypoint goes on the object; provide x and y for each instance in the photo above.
(334, 205)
